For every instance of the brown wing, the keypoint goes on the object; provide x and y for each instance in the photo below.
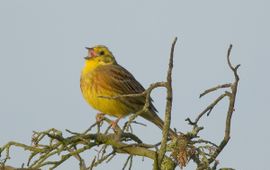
(117, 79)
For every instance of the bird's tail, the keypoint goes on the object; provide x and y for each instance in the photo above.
(154, 118)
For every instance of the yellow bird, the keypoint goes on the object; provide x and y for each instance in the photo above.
(103, 76)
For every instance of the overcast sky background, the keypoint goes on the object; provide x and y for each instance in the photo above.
(41, 56)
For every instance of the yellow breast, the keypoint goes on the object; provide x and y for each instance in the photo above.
(93, 91)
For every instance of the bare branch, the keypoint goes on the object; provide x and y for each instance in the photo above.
(207, 110)
(204, 141)
(202, 158)
(232, 97)
(169, 99)
(103, 158)
(215, 88)
(129, 160)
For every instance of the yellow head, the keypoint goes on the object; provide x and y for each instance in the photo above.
(98, 56)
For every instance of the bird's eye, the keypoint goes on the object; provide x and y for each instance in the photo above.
(101, 53)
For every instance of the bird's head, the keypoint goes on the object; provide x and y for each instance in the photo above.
(99, 55)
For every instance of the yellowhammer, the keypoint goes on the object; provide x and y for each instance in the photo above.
(102, 76)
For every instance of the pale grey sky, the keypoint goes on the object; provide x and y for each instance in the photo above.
(42, 49)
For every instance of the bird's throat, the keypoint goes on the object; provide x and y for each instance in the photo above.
(89, 67)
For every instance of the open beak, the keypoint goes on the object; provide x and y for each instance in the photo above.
(88, 48)
(91, 53)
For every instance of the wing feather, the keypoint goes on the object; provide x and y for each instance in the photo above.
(117, 79)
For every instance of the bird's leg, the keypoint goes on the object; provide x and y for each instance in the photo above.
(114, 123)
(100, 117)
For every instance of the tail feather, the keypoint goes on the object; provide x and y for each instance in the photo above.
(154, 118)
